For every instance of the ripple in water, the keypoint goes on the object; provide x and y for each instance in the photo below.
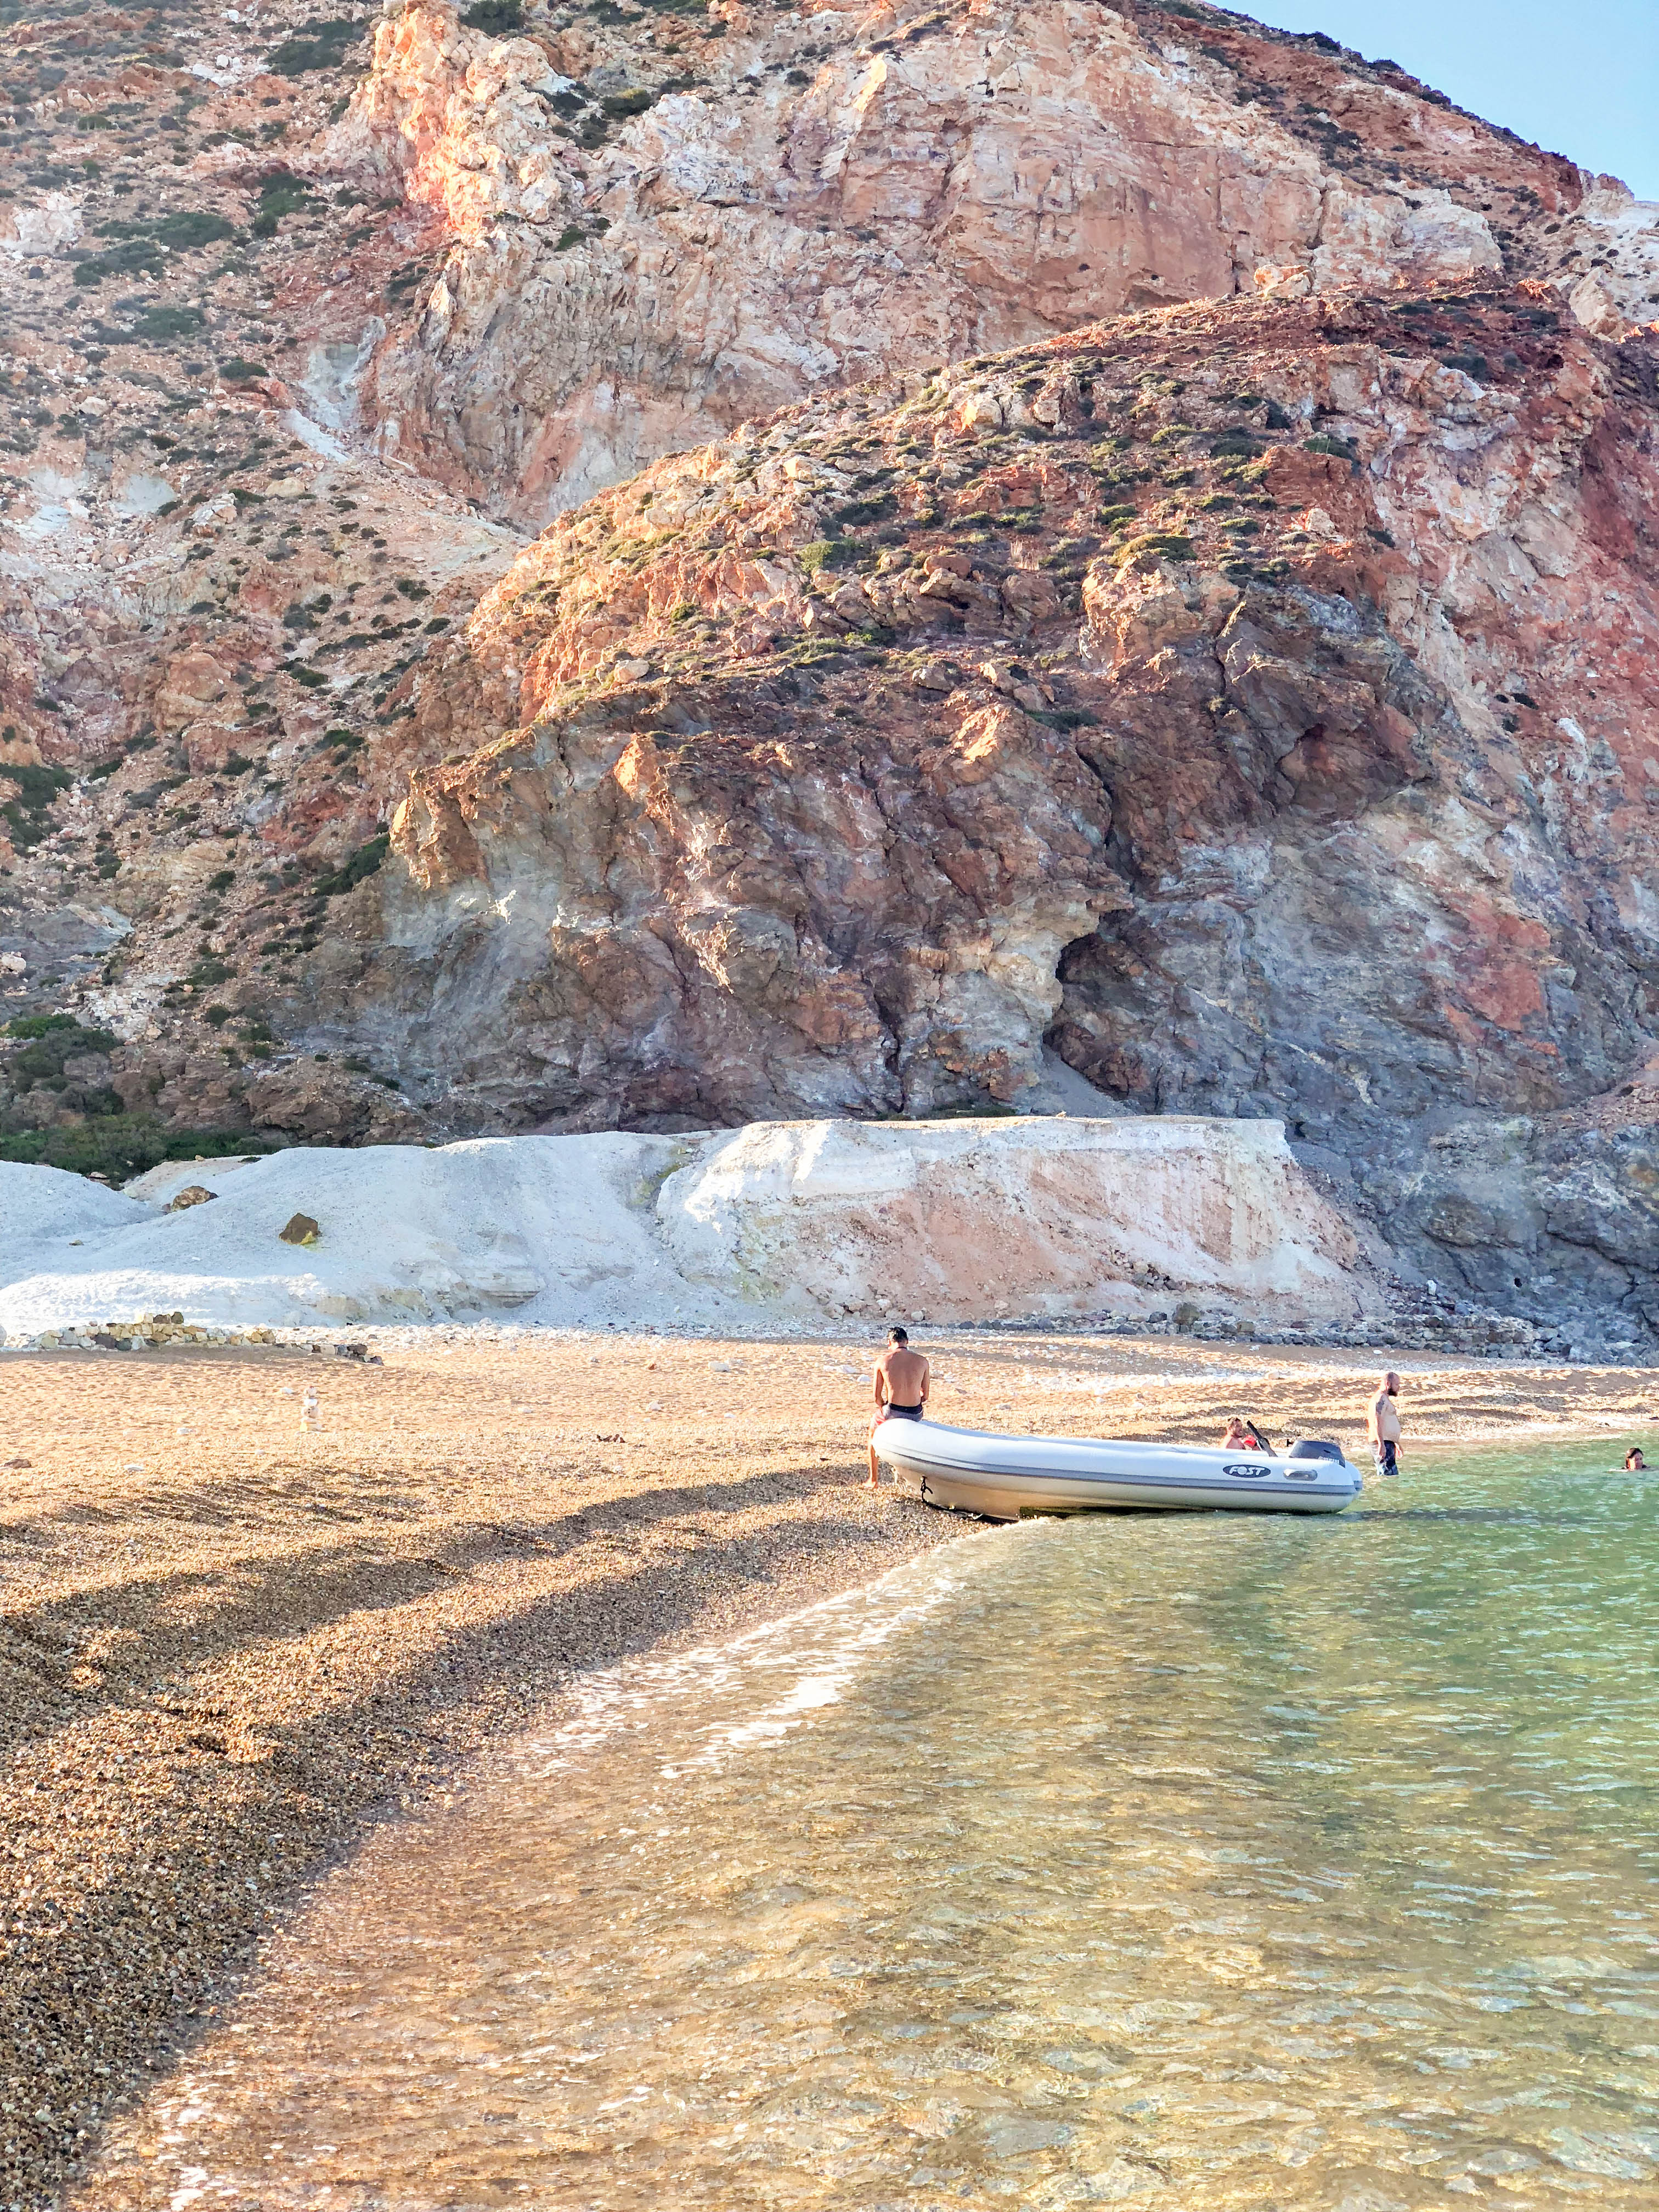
(1188, 1863)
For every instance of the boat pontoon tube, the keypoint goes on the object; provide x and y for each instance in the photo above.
(1003, 1477)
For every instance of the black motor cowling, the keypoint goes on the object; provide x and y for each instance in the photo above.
(1314, 1448)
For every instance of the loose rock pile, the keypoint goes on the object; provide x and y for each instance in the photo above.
(146, 1333)
(1473, 1332)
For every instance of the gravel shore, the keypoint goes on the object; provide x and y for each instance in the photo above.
(227, 1643)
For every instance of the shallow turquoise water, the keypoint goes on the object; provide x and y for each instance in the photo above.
(1192, 1861)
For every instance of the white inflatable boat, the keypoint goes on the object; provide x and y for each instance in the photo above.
(1003, 1478)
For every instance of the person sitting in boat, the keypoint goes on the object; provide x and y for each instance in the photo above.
(901, 1377)
(1634, 1462)
(1239, 1436)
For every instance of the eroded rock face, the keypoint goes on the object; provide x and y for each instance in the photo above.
(697, 924)
(1016, 1218)
(207, 596)
(1249, 702)
(1605, 257)
(1240, 708)
(829, 192)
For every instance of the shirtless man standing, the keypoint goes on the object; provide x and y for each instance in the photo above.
(1382, 1426)
(901, 1388)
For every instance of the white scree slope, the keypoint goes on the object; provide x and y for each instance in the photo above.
(779, 1224)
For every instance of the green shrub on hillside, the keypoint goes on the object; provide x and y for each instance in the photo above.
(159, 324)
(41, 1025)
(143, 248)
(364, 862)
(48, 1041)
(320, 43)
(37, 787)
(1153, 545)
(282, 193)
(120, 1145)
(828, 553)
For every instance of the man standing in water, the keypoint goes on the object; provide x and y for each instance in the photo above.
(900, 1388)
(1382, 1426)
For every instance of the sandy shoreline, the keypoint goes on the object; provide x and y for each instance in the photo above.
(226, 1645)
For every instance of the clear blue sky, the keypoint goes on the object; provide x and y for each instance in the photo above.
(1582, 80)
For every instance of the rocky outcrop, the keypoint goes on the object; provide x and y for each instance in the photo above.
(1238, 707)
(656, 231)
(1605, 258)
(709, 927)
(958, 1221)
(1555, 1216)
(1214, 695)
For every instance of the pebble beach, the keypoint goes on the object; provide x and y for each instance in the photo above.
(230, 1640)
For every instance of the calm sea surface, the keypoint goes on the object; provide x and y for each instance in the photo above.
(1192, 1863)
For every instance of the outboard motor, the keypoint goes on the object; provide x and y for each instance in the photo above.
(1316, 1448)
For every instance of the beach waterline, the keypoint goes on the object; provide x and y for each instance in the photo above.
(1193, 1861)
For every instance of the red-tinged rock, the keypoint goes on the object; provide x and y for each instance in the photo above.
(1249, 701)
(888, 204)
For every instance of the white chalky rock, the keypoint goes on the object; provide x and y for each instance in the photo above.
(797, 1222)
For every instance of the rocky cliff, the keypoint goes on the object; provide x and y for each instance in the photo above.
(1248, 703)
(659, 229)
(1150, 604)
